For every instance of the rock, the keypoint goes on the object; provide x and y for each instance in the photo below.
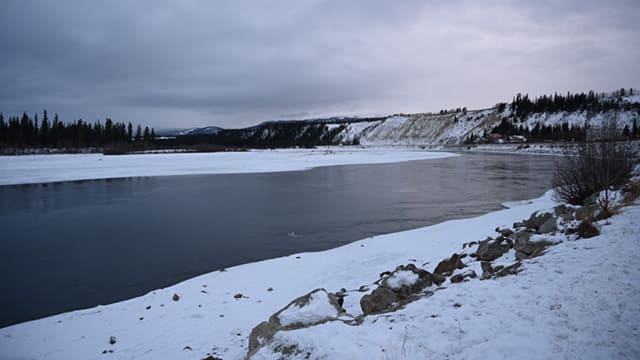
(489, 250)
(212, 358)
(438, 279)
(448, 266)
(564, 212)
(112, 340)
(521, 236)
(394, 281)
(504, 232)
(487, 269)
(526, 249)
(509, 270)
(237, 296)
(548, 226)
(261, 335)
(175, 297)
(305, 311)
(462, 276)
(381, 299)
(401, 286)
(537, 219)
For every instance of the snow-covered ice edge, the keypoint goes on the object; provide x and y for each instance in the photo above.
(31, 169)
(580, 300)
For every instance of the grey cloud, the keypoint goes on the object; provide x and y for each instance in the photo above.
(235, 63)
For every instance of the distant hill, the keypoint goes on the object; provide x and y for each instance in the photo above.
(546, 118)
(208, 130)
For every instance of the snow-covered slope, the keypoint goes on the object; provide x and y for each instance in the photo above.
(455, 127)
(419, 129)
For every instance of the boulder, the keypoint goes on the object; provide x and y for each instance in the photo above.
(564, 212)
(489, 250)
(504, 232)
(380, 300)
(537, 219)
(448, 266)
(509, 270)
(407, 279)
(462, 276)
(526, 249)
(487, 269)
(548, 226)
(316, 307)
(401, 286)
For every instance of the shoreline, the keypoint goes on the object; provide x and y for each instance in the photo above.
(214, 314)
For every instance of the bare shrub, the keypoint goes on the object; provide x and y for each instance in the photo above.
(600, 163)
(586, 229)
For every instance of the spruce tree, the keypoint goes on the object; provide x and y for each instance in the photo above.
(129, 132)
(44, 130)
(147, 134)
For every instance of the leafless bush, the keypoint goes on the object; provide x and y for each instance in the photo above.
(600, 163)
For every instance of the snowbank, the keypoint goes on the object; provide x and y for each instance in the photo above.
(580, 300)
(31, 169)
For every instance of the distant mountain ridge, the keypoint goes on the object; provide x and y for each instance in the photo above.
(208, 130)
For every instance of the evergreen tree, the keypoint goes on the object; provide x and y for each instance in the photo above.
(147, 134)
(44, 130)
(129, 132)
(138, 133)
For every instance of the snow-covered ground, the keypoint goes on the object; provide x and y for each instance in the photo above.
(29, 169)
(581, 300)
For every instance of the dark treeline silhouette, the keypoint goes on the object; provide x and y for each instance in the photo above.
(522, 105)
(27, 132)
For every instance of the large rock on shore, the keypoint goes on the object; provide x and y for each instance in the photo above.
(489, 250)
(400, 287)
(316, 307)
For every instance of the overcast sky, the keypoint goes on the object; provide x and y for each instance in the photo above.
(236, 63)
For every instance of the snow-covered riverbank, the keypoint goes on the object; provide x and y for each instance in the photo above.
(29, 169)
(580, 300)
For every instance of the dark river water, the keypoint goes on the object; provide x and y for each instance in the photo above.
(73, 245)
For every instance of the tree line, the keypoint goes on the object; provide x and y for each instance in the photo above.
(522, 105)
(28, 132)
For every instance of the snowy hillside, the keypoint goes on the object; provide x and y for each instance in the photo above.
(456, 127)
(453, 127)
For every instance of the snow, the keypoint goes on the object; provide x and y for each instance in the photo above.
(402, 278)
(317, 309)
(579, 300)
(29, 169)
